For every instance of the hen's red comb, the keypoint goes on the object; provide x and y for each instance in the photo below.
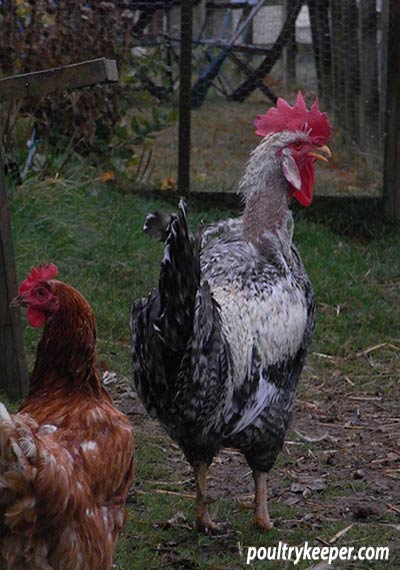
(283, 117)
(38, 274)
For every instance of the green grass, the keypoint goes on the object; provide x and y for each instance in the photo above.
(93, 233)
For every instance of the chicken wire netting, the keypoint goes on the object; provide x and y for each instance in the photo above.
(244, 55)
(241, 56)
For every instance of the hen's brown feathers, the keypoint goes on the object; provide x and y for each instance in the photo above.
(66, 460)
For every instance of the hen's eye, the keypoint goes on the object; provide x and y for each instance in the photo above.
(41, 293)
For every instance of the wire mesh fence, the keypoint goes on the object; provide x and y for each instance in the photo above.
(244, 55)
(217, 64)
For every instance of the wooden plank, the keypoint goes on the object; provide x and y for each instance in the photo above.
(391, 186)
(41, 83)
(383, 25)
(13, 369)
(206, 77)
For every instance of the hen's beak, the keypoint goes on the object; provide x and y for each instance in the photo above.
(18, 301)
(325, 156)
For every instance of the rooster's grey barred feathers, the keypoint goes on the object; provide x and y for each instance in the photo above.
(217, 351)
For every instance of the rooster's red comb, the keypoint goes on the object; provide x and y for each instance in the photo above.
(283, 117)
(41, 273)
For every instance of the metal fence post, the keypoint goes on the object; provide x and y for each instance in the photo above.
(391, 183)
(185, 89)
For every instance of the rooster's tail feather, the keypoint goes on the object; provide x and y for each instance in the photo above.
(178, 284)
(157, 225)
(162, 324)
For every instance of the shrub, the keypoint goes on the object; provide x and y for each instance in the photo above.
(43, 34)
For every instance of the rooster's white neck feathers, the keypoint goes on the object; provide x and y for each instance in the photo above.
(266, 191)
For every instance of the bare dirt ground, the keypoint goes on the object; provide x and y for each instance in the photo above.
(340, 462)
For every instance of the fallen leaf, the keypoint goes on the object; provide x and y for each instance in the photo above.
(168, 183)
(106, 176)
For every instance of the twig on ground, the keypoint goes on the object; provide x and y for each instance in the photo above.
(348, 380)
(321, 355)
(365, 398)
(377, 347)
(175, 494)
(393, 508)
(309, 439)
(339, 534)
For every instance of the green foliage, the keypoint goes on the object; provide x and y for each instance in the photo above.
(112, 123)
(39, 35)
(130, 150)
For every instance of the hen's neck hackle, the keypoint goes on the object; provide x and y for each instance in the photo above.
(66, 353)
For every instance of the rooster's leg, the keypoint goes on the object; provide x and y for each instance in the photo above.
(204, 521)
(261, 515)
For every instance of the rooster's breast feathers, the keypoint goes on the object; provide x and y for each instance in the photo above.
(250, 324)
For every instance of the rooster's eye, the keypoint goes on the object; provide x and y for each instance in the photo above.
(297, 145)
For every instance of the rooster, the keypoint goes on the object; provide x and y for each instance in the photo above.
(66, 459)
(218, 349)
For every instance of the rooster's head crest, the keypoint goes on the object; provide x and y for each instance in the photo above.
(41, 273)
(283, 117)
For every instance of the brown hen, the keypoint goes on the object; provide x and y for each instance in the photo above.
(66, 459)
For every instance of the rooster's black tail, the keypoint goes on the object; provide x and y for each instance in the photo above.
(178, 284)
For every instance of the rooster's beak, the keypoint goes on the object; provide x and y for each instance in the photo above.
(324, 157)
(18, 301)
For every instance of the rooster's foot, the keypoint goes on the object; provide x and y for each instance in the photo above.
(261, 515)
(262, 521)
(204, 522)
(207, 526)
